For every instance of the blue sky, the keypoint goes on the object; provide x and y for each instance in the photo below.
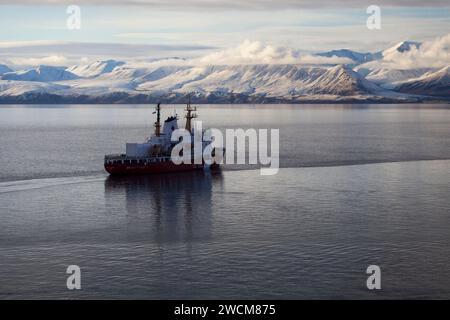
(191, 28)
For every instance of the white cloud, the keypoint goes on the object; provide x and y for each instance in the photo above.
(431, 54)
(54, 60)
(248, 52)
(32, 53)
(255, 52)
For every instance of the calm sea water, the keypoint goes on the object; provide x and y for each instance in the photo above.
(359, 185)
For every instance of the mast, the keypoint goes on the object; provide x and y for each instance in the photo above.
(190, 114)
(158, 118)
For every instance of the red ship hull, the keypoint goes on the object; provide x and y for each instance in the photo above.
(152, 168)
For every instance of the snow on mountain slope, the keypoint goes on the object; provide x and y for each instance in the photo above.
(160, 72)
(4, 69)
(124, 72)
(176, 79)
(95, 69)
(342, 80)
(16, 88)
(401, 47)
(99, 86)
(387, 78)
(385, 72)
(268, 80)
(367, 57)
(432, 83)
(271, 81)
(123, 78)
(41, 74)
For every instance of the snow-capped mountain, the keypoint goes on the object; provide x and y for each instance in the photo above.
(95, 69)
(278, 81)
(362, 58)
(383, 73)
(342, 81)
(260, 80)
(401, 47)
(357, 57)
(237, 83)
(387, 78)
(41, 74)
(432, 83)
(367, 79)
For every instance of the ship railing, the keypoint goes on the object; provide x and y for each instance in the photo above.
(115, 156)
(124, 159)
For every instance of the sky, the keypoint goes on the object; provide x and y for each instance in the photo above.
(33, 32)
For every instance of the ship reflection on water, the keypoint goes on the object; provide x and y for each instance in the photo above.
(165, 207)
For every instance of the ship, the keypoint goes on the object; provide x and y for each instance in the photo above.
(154, 155)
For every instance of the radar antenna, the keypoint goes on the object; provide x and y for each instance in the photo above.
(190, 114)
(158, 120)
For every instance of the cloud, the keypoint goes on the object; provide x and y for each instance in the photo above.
(248, 52)
(238, 4)
(31, 53)
(431, 54)
(255, 52)
(55, 60)
(17, 47)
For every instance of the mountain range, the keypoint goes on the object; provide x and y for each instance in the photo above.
(364, 79)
